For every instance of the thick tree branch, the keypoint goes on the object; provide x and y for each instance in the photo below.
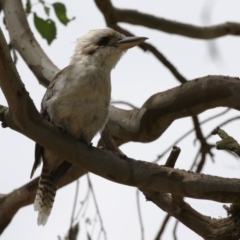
(145, 124)
(23, 40)
(206, 227)
(140, 174)
(133, 125)
(160, 110)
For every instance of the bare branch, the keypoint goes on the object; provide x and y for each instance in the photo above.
(173, 157)
(145, 121)
(114, 15)
(174, 27)
(23, 196)
(125, 103)
(188, 132)
(96, 206)
(205, 147)
(70, 235)
(110, 20)
(175, 230)
(163, 226)
(165, 62)
(143, 175)
(84, 203)
(161, 109)
(225, 123)
(140, 215)
(209, 229)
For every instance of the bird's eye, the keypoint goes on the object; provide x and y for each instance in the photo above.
(103, 41)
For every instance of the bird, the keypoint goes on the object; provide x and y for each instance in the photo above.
(77, 101)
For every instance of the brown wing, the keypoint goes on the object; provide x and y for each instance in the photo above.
(49, 93)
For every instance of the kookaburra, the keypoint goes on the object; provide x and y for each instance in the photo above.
(77, 101)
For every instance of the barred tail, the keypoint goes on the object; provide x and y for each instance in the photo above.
(47, 188)
(45, 196)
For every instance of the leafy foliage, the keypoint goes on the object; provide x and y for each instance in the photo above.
(47, 28)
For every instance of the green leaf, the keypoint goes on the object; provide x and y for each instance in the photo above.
(61, 13)
(46, 28)
(47, 10)
(28, 7)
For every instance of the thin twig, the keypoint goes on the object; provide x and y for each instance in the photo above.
(96, 206)
(125, 103)
(94, 223)
(195, 160)
(85, 201)
(157, 54)
(189, 132)
(215, 116)
(165, 62)
(175, 230)
(140, 215)
(73, 210)
(224, 123)
(209, 135)
(75, 202)
(205, 148)
(163, 226)
(99, 234)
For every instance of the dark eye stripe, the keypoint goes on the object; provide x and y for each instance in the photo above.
(103, 41)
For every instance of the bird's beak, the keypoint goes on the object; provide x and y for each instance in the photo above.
(129, 42)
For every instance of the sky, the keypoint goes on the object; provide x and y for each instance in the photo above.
(136, 77)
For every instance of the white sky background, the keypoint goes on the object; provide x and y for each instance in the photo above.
(137, 76)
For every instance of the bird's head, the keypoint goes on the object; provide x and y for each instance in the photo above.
(105, 46)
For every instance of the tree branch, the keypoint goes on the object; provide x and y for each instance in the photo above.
(160, 110)
(23, 196)
(145, 124)
(115, 15)
(140, 174)
(106, 8)
(206, 227)
(23, 40)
